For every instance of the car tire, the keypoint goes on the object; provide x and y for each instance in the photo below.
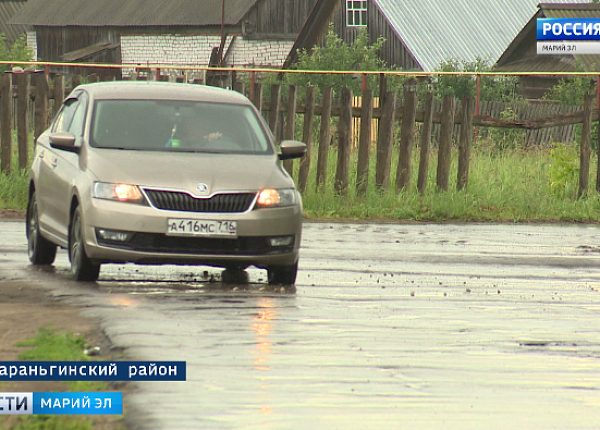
(39, 250)
(82, 267)
(282, 275)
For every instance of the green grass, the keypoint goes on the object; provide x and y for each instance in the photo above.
(51, 422)
(50, 345)
(13, 189)
(510, 185)
(14, 185)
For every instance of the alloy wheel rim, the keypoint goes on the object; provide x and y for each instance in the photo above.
(75, 251)
(33, 230)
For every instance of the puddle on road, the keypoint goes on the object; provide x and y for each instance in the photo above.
(123, 283)
(162, 288)
(178, 283)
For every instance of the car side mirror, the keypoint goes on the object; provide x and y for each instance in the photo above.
(292, 149)
(65, 141)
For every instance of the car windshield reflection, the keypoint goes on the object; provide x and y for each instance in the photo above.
(163, 125)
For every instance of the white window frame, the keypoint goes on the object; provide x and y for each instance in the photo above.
(356, 13)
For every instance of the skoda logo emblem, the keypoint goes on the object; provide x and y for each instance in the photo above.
(202, 188)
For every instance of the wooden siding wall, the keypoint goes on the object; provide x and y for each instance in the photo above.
(535, 87)
(279, 17)
(53, 42)
(527, 49)
(393, 52)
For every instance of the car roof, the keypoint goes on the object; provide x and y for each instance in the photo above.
(145, 90)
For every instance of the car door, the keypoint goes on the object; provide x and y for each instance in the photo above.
(60, 168)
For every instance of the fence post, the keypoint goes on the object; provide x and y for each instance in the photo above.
(257, 98)
(6, 122)
(598, 171)
(382, 88)
(464, 143)
(445, 145)
(274, 113)
(598, 143)
(344, 142)
(290, 124)
(585, 147)
(76, 80)
(240, 87)
(407, 134)
(384, 141)
(41, 105)
(58, 93)
(324, 137)
(425, 141)
(22, 127)
(309, 116)
(364, 143)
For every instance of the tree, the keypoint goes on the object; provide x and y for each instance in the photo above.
(571, 91)
(493, 87)
(336, 55)
(19, 51)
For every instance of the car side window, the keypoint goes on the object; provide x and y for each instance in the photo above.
(72, 115)
(78, 120)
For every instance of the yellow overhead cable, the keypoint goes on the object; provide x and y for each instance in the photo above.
(272, 70)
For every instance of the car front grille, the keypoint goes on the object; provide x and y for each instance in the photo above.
(180, 201)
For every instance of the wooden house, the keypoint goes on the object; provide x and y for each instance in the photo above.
(521, 54)
(257, 33)
(421, 34)
(7, 10)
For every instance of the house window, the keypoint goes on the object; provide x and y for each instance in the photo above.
(356, 13)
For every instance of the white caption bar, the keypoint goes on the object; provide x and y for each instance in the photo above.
(16, 403)
(562, 47)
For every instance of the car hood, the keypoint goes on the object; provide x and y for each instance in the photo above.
(185, 170)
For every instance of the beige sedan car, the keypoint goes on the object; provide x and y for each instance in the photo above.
(159, 173)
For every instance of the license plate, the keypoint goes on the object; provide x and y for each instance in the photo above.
(194, 227)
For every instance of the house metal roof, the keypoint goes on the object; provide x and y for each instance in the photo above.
(435, 31)
(526, 39)
(126, 13)
(541, 63)
(7, 10)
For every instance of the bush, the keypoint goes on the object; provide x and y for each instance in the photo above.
(493, 88)
(571, 92)
(564, 169)
(19, 51)
(360, 56)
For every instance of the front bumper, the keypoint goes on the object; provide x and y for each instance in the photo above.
(148, 243)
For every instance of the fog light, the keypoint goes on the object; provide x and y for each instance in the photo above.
(113, 235)
(281, 241)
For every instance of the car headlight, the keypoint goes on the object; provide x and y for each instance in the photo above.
(118, 192)
(272, 198)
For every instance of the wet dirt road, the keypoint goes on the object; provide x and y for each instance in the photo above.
(415, 326)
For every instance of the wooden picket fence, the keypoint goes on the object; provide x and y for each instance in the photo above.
(449, 123)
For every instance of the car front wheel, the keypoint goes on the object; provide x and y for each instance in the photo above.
(39, 250)
(282, 275)
(82, 267)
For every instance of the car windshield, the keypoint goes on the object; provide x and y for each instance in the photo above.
(167, 125)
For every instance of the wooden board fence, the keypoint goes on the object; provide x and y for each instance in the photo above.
(28, 101)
